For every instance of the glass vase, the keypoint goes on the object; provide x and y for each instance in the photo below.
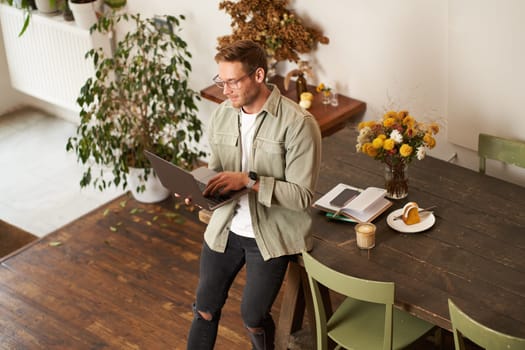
(396, 180)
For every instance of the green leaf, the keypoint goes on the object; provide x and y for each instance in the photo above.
(26, 22)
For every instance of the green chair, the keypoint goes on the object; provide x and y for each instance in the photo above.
(366, 319)
(498, 148)
(464, 326)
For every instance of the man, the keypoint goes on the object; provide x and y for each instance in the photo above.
(266, 142)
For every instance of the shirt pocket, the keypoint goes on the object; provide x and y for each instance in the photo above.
(269, 157)
(226, 150)
(225, 139)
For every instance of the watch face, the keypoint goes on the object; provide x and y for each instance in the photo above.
(252, 175)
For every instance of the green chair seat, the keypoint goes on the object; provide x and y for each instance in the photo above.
(346, 326)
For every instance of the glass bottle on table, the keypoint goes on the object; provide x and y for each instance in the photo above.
(300, 86)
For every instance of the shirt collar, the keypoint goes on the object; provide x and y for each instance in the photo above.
(272, 102)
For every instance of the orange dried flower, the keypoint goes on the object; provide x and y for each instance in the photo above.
(268, 22)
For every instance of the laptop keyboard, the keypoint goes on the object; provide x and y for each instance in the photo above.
(201, 185)
(215, 199)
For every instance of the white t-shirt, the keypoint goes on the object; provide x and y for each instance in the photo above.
(242, 220)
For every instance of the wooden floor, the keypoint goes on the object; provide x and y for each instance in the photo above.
(13, 238)
(121, 277)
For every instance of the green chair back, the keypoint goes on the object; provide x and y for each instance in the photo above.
(367, 318)
(464, 326)
(498, 148)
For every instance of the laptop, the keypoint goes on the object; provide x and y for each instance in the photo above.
(190, 184)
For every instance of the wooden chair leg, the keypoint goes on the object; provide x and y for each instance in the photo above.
(292, 307)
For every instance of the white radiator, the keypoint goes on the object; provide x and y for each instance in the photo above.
(47, 61)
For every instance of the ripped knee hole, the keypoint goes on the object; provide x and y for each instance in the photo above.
(205, 315)
(258, 330)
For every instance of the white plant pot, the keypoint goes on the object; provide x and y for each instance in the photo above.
(154, 192)
(86, 14)
(44, 6)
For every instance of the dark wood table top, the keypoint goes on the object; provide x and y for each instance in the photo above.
(330, 119)
(474, 253)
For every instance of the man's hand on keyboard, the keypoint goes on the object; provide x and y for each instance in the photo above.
(224, 182)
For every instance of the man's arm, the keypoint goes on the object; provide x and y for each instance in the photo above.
(303, 159)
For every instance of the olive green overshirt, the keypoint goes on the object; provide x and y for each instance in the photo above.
(286, 155)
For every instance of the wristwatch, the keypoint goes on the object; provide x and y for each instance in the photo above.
(252, 179)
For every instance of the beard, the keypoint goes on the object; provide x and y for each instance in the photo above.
(244, 97)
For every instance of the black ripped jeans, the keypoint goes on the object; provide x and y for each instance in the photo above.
(217, 272)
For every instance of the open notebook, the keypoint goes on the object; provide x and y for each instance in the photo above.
(364, 207)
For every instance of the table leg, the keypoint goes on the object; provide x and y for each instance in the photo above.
(292, 306)
(296, 298)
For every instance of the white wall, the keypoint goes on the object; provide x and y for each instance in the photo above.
(9, 98)
(389, 54)
(486, 70)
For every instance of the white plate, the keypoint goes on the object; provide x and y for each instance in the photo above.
(427, 221)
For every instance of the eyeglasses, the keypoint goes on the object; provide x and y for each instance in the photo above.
(232, 83)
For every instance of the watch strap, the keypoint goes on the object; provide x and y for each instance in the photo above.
(252, 179)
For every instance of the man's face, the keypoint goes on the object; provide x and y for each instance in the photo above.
(240, 87)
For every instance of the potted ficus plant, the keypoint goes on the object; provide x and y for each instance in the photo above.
(138, 100)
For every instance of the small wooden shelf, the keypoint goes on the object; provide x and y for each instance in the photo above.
(330, 119)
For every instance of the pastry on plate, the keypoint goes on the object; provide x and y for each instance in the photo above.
(410, 214)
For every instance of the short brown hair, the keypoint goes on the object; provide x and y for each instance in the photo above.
(249, 53)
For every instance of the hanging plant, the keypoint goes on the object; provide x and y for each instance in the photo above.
(27, 6)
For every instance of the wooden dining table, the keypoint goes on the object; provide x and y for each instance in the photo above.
(474, 253)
